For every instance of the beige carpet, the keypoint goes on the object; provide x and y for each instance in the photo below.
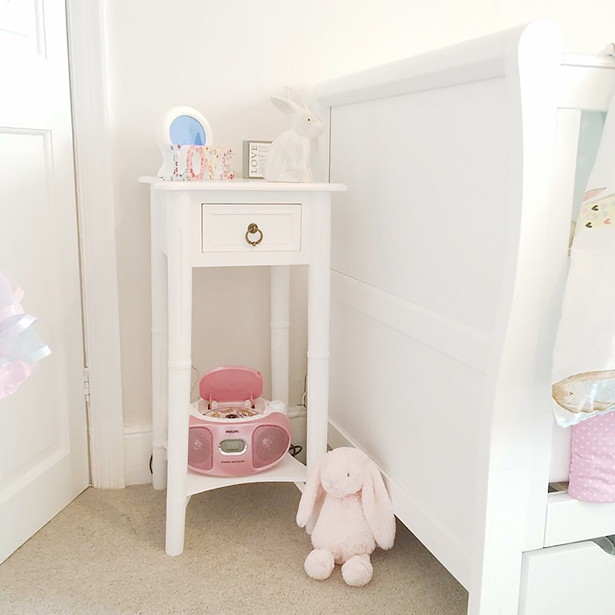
(244, 554)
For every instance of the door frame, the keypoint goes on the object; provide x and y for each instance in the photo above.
(96, 218)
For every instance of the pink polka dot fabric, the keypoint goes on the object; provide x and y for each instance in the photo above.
(592, 460)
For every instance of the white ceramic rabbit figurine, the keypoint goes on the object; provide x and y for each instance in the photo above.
(353, 511)
(289, 156)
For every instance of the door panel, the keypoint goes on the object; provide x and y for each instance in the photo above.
(22, 27)
(43, 437)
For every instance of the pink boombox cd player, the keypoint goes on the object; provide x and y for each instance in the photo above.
(233, 430)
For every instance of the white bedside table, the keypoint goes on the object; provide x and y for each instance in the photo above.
(233, 224)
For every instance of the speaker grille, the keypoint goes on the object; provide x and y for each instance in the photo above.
(200, 450)
(269, 444)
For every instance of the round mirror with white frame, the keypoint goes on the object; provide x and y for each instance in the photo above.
(181, 126)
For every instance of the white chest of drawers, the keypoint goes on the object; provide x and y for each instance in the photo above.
(226, 224)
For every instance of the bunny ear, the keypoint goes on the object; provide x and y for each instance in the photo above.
(312, 497)
(377, 507)
(286, 106)
(295, 97)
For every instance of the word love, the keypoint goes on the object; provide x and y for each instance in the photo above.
(200, 162)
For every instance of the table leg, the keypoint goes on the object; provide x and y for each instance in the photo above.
(319, 280)
(280, 324)
(180, 333)
(159, 344)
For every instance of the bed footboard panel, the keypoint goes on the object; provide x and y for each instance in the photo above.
(436, 299)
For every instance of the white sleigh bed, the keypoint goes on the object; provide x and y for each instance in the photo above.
(449, 259)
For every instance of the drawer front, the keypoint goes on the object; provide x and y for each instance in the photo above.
(568, 580)
(270, 228)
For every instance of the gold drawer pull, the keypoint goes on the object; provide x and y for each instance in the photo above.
(252, 229)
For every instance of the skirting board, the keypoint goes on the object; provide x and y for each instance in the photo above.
(456, 557)
(137, 453)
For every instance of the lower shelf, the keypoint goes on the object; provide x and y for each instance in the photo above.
(289, 470)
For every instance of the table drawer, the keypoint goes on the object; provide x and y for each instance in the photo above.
(270, 228)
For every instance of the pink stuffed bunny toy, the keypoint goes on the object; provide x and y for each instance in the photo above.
(346, 497)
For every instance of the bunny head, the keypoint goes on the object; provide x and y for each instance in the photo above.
(305, 123)
(345, 471)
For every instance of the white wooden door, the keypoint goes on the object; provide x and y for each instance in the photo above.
(43, 433)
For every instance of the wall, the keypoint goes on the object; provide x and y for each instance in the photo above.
(226, 59)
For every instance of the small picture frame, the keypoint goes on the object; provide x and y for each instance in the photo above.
(182, 128)
(254, 158)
